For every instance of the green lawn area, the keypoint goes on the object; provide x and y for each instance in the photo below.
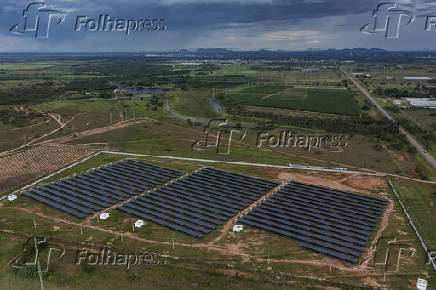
(305, 99)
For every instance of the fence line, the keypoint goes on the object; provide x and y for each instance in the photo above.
(413, 225)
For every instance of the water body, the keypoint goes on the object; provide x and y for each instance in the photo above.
(422, 102)
(216, 106)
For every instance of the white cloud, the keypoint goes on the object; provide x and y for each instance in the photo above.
(290, 35)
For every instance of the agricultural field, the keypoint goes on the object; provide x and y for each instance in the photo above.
(333, 101)
(23, 167)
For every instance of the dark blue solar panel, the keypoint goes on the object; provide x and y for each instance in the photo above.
(111, 189)
(97, 199)
(330, 253)
(307, 220)
(371, 200)
(61, 201)
(299, 237)
(301, 224)
(312, 199)
(199, 197)
(118, 180)
(166, 218)
(336, 198)
(201, 201)
(322, 213)
(54, 205)
(94, 190)
(172, 213)
(217, 191)
(182, 210)
(305, 233)
(304, 201)
(70, 198)
(144, 177)
(190, 202)
(128, 177)
(216, 197)
(79, 185)
(144, 172)
(161, 222)
(335, 223)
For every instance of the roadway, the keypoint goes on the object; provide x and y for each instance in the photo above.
(427, 156)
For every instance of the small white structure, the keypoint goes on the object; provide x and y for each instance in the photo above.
(104, 216)
(238, 228)
(417, 78)
(139, 223)
(421, 284)
(12, 197)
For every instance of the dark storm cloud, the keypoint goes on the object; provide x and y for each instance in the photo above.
(200, 23)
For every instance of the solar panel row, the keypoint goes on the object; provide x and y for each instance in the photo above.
(198, 203)
(94, 190)
(332, 222)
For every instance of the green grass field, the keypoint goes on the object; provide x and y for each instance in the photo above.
(420, 201)
(305, 99)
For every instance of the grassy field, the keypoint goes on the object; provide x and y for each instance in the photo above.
(420, 201)
(305, 99)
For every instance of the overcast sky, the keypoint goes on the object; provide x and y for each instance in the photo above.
(243, 24)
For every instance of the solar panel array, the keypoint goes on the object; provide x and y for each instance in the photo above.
(198, 203)
(94, 190)
(332, 222)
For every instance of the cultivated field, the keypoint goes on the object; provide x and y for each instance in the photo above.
(23, 167)
(332, 101)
